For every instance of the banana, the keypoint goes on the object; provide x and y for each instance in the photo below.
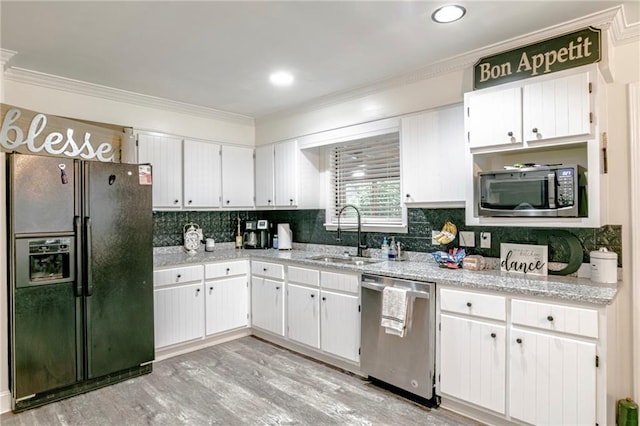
(448, 233)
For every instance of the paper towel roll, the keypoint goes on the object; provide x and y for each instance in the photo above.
(285, 236)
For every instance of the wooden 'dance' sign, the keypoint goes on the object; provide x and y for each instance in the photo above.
(524, 259)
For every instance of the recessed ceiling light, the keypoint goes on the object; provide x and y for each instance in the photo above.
(448, 13)
(281, 78)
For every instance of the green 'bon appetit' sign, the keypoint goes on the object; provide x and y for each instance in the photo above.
(567, 51)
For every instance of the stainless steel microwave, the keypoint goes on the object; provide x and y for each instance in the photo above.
(544, 191)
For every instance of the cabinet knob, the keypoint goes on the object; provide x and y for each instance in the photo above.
(277, 287)
(228, 270)
(268, 201)
(176, 201)
(518, 340)
(210, 289)
(408, 195)
(190, 201)
(468, 304)
(535, 130)
(510, 134)
(324, 298)
(178, 276)
(291, 201)
(313, 295)
(493, 335)
(264, 269)
(549, 318)
(197, 291)
(228, 201)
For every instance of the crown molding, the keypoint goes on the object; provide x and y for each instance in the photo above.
(21, 75)
(5, 56)
(612, 18)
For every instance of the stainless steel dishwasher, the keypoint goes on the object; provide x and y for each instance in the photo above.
(408, 362)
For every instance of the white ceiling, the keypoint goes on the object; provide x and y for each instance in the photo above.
(219, 54)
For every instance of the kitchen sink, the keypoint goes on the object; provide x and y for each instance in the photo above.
(345, 260)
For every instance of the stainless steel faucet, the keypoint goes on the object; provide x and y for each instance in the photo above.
(358, 242)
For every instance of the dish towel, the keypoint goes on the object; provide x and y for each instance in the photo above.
(396, 311)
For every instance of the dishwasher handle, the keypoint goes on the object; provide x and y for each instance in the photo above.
(372, 285)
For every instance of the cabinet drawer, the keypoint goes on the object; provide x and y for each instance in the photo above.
(304, 276)
(561, 318)
(266, 269)
(341, 282)
(474, 304)
(177, 275)
(225, 269)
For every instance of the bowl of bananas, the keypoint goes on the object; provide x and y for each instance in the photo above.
(447, 234)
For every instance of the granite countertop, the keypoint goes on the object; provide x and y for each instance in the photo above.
(419, 266)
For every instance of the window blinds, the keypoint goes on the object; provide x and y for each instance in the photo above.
(366, 173)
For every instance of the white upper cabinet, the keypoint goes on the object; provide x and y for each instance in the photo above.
(553, 108)
(202, 174)
(237, 176)
(557, 108)
(165, 155)
(432, 151)
(265, 176)
(286, 172)
(494, 117)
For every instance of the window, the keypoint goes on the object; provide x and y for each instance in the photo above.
(366, 173)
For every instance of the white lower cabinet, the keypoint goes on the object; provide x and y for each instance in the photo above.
(227, 296)
(541, 359)
(267, 304)
(340, 325)
(553, 379)
(226, 304)
(303, 315)
(179, 314)
(473, 361)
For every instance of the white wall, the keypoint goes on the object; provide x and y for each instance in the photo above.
(85, 107)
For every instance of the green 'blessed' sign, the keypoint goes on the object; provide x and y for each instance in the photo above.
(567, 51)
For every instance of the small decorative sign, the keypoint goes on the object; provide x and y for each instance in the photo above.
(560, 53)
(524, 259)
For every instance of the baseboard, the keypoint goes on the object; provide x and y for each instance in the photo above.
(5, 401)
(183, 348)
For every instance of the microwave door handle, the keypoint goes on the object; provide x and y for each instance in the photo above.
(552, 190)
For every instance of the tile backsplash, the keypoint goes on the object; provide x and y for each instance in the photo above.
(308, 227)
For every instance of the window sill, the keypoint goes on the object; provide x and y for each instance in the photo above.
(394, 229)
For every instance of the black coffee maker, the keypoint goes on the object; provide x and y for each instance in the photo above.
(256, 234)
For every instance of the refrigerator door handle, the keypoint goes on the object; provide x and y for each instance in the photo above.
(87, 231)
(78, 257)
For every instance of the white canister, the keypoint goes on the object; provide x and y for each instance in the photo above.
(604, 266)
(209, 244)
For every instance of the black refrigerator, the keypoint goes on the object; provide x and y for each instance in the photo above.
(80, 276)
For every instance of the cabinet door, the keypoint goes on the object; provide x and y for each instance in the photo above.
(557, 108)
(303, 315)
(286, 173)
(201, 174)
(237, 176)
(340, 325)
(226, 304)
(165, 156)
(472, 362)
(494, 118)
(267, 311)
(264, 176)
(432, 149)
(553, 379)
(179, 314)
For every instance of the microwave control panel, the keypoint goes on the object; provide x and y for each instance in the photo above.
(566, 188)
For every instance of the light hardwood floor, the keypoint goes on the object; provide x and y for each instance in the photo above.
(243, 382)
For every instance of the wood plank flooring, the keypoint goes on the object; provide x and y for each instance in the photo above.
(243, 382)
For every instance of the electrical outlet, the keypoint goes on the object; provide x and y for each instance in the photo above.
(485, 240)
(467, 239)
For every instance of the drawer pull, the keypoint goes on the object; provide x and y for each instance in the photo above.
(468, 304)
(179, 276)
(518, 340)
(550, 318)
(228, 269)
(264, 269)
(313, 295)
(324, 298)
(493, 335)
